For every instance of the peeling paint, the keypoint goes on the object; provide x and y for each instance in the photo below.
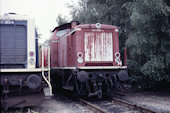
(98, 46)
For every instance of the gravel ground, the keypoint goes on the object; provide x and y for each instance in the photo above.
(55, 104)
(159, 101)
(111, 107)
(60, 105)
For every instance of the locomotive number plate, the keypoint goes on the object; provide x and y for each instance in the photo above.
(6, 22)
(97, 30)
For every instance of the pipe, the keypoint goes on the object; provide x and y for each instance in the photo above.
(49, 78)
(49, 85)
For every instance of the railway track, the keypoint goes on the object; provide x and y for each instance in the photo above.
(111, 104)
(135, 106)
(115, 105)
(94, 107)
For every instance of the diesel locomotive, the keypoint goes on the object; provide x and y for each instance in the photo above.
(85, 58)
(22, 81)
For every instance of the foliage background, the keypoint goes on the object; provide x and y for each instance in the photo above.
(144, 29)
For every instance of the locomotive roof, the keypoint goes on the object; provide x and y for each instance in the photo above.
(64, 26)
(13, 16)
(85, 26)
(103, 26)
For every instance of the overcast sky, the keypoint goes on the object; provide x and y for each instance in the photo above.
(43, 11)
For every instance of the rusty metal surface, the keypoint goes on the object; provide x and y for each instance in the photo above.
(98, 46)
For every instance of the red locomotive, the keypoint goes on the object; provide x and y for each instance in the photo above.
(85, 58)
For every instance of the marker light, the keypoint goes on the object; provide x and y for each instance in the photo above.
(80, 60)
(117, 54)
(79, 54)
(80, 57)
(32, 61)
(31, 53)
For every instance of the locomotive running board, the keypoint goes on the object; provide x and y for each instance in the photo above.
(23, 70)
(92, 67)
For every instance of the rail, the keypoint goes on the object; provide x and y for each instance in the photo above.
(119, 102)
(96, 108)
(141, 108)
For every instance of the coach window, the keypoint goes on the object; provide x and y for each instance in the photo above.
(62, 32)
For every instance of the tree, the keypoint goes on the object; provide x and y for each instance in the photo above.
(61, 20)
(149, 40)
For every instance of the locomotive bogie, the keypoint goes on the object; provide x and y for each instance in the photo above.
(90, 82)
(29, 81)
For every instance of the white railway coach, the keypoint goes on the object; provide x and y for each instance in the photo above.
(22, 80)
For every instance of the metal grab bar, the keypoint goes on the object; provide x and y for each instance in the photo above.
(47, 80)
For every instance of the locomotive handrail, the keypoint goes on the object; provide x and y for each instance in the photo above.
(23, 70)
(93, 67)
(47, 80)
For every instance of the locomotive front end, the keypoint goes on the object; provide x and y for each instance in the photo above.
(98, 59)
(20, 76)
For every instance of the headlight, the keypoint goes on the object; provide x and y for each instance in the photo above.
(79, 54)
(80, 57)
(32, 61)
(117, 54)
(116, 30)
(98, 25)
(80, 60)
